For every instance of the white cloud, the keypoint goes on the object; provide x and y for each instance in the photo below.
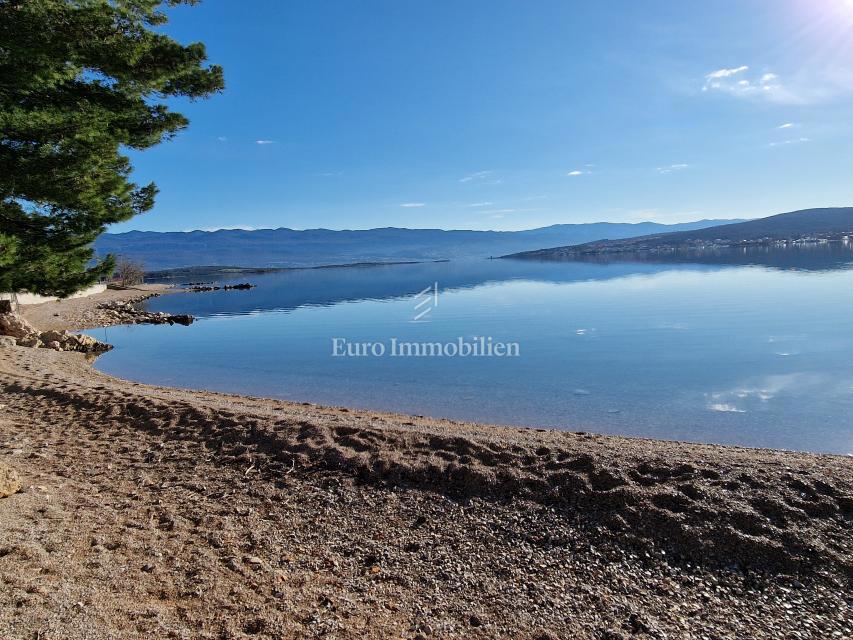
(481, 204)
(673, 168)
(479, 175)
(726, 73)
(725, 408)
(264, 141)
(501, 213)
(576, 173)
(809, 85)
(734, 82)
(787, 125)
(413, 205)
(787, 142)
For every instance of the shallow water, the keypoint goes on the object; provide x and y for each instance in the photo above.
(751, 348)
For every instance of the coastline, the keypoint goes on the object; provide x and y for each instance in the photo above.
(253, 517)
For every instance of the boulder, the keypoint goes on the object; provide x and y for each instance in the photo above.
(10, 481)
(53, 344)
(29, 341)
(54, 336)
(11, 324)
(7, 341)
(85, 344)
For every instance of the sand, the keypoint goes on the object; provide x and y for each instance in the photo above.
(156, 512)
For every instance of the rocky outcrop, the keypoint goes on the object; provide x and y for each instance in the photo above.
(11, 324)
(124, 312)
(64, 341)
(14, 330)
(10, 481)
(228, 287)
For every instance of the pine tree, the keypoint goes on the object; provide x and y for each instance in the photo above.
(80, 80)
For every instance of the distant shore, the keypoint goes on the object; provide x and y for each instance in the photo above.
(225, 271)
(156, 511)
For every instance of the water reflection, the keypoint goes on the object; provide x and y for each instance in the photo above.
(755, 352)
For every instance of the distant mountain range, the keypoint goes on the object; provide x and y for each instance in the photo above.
(313, 247)
(805, 225)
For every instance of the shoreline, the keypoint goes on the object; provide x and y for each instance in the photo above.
(182, 273)
(382, 497)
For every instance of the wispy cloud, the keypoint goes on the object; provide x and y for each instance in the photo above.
(726, 73)
(222, 138)
(264, 141)
(413, 205)
(673, 168)
(737, 81)
(481, 204)
(808, 86)
(576, 173)
(501, 213)
(783, 143)
(724, 407)
(479, 175)
(787, 125)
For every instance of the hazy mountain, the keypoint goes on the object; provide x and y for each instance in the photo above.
(796, 225)
(291, 248)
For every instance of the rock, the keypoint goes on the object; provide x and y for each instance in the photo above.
(8, 341)
(475, 621)
(64, 341)
(53, 336)
(30, 341)
(255, 561)
(85, 344)
(10, 481)
(11, 324)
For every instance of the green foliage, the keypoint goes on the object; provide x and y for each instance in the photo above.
(79, 81)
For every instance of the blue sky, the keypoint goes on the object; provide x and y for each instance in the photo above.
(508, 114)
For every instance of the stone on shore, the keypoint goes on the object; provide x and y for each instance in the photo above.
(53, 336)
(64, 341)
(30, 341)
(11, 324)
(10, 481)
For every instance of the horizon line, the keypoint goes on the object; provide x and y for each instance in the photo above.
(557, 224)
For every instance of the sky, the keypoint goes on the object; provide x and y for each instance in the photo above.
(508, 114)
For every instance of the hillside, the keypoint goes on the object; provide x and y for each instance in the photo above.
(808, 224)
(312, 247)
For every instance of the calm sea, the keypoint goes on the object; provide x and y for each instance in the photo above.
(750, 347)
